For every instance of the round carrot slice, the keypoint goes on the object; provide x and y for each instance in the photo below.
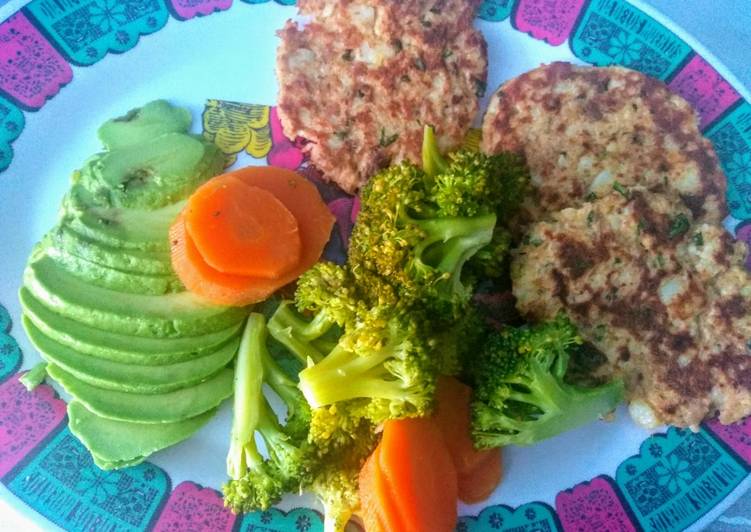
(202, 279)
(242, 229)
(314, 222)
(302, 199)
(477, 485)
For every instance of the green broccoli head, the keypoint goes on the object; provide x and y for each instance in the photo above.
(383, 359)
(328, 288)
(399, 237)
(258, 488)
(520, 396)
(335, 480)
(474, 183)
(257, 482)
(417, 228)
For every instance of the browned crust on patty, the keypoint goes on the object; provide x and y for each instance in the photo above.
(583, 128)
(670, 310)
(361, 88)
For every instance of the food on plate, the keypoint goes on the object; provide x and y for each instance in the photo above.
(366, 355)
(409, 482)
(520, 390)
(34, 377)
(241, 229)
(294, 462)
(595, 201)
(359, 81)
(663, 296)
(478, 472)
(582, 129)
(268, 221)
(134, 377)
(117, 444)
(144, 360)
(161, 407)
(417, 228)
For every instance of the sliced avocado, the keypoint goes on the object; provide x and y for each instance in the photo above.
(109, 466)
(154, 173)
(130, 377)
(168, 315)
(122, 348)
(113, 279)
(131, 260)
(144, 123)
(115, 444)
(160, 408)
(147, 230)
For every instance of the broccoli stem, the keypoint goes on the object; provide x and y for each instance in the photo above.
(296, 334)
(335, 518)
(450, 242)
(560, 407)
(248, 397)
(433, 162)
(344, 375)
(34, 377)
(278, 379)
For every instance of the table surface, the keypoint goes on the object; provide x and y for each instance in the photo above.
(721, 26)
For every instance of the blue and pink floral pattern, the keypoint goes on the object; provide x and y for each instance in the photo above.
(675, 479)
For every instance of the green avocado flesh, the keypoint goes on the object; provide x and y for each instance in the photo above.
(146, 362)
(153, 173)
(130, 377)
(129, 261)
(168, 315)
(167, 407)
(115, 444)
(117, 227)
(113, 279)
(139, 125)
(119, 347)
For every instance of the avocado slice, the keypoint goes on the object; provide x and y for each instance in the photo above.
(161, 316)
(144, 123)
(131, 260)
(121, 348)
(130, 377)
(113, 279)
(116, 444)
(167, 407)
(153, 173)
(146, 230)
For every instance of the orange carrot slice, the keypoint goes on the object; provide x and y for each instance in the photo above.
(478, 484)
(369, 503)
(314, 222)
(420, 473)
(242, 229)
(302, 199)
(478, 472)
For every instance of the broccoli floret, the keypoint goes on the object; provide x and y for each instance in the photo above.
(491, 262)
(335, 481)
(456, 347)
(386, 360)
(328, 289)
(398, 237)
(255, 482)
(520, 396)
(305, 339)
(473, 184)
(417, 228)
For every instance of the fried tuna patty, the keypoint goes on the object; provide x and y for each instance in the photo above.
(665, 299)
(584, 129)
(362, 79)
